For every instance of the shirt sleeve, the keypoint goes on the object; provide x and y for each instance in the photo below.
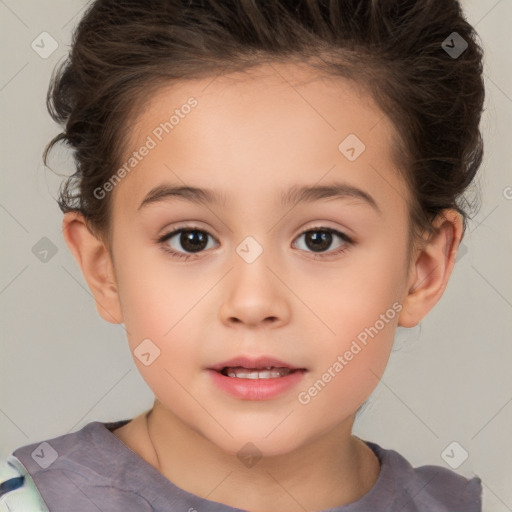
(18, 492)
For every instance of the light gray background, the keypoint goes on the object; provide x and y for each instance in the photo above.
(62, 366)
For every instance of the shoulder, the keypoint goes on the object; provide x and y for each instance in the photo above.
(428, 487)
(55, 470)
(88, 443)
(17, 489)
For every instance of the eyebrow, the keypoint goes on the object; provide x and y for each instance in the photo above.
(296, 194)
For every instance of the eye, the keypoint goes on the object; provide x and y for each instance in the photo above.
(318, 239)
(191, 239)
(194, 240)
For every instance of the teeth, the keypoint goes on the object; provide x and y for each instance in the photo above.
(267, 373)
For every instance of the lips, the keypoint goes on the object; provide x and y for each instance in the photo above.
(262, 363)
(249, 378)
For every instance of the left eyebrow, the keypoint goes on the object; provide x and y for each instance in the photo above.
(306, 194)
(295, 194)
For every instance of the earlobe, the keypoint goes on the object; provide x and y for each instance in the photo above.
(96, 264)
(433, 266)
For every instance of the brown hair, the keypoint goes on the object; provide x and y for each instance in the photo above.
(122, 52)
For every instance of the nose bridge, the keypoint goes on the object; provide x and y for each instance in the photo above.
(254, 293)
(255, 237)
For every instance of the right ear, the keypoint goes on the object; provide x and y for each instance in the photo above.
(96, 264)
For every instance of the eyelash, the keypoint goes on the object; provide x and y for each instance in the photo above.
(185, 256)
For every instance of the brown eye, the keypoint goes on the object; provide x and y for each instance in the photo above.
(193, 240)
(185, 242)
(319, 240)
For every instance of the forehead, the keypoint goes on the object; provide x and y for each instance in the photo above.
(257, 131)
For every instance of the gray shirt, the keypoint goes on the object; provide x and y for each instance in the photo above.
(92, 470)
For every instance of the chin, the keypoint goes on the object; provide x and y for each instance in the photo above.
(255, 442)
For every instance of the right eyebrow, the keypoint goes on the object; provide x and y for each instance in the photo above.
(193, 194)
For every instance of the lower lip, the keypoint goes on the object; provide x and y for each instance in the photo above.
(256, 389)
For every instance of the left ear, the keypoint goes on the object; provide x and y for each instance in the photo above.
(432, 268)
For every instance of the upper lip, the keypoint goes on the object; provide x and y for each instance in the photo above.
(254, 363)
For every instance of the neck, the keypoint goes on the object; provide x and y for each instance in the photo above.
(333, 470)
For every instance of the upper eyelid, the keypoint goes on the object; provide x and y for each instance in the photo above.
(166, 236)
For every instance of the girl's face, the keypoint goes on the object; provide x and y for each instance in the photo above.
(315, 282)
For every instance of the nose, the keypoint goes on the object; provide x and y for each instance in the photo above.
(255, 295)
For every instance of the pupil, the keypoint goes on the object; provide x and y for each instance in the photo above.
(193, 241)
(318, 242)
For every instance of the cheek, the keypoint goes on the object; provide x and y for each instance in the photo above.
(163, 304)
(357, 295)
(159, 319)
(154, 294)
(349, 369)
(359, 315)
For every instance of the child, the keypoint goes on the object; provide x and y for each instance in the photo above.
(264, 191)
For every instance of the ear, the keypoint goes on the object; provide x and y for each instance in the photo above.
(431, 268)
(96, 264)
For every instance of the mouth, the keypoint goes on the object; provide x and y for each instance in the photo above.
(269, 372)
(261, 378)
(264, 367)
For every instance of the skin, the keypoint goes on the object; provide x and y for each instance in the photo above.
(252, 136)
